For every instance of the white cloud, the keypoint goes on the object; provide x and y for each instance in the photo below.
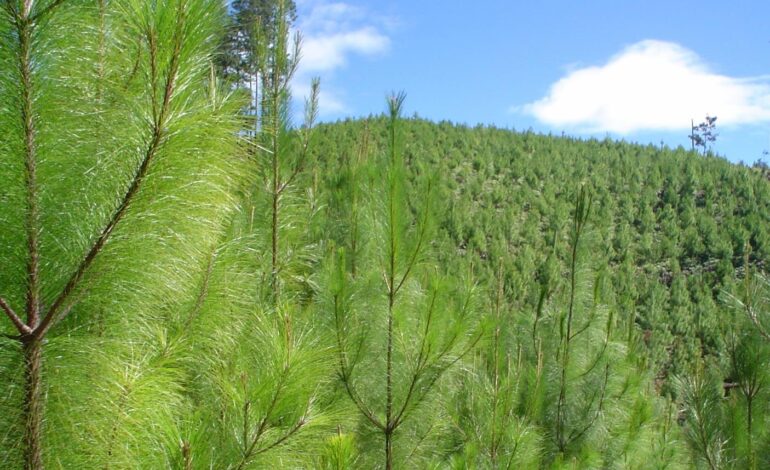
(651, 85)
(327, 52)
(331, 33)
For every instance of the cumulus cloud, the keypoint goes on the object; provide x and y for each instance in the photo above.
(332, 32)
(328, 52)
(651, 85)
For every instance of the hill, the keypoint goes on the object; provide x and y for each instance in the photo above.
(671, 228)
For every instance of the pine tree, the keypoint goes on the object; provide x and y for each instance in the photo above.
(257, 321)
(397, 336)
(747, 380)
(253, 28)
(489, 401)
(703, 414)
(119, 165)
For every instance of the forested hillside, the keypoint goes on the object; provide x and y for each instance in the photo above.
(670, 229)
(661, 270)
(190, 280)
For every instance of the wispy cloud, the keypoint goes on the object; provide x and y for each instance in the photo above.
(333, 32)
(651, 85)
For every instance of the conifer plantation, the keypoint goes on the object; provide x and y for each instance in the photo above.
(196, 274)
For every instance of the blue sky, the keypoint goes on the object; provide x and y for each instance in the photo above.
(634, 70)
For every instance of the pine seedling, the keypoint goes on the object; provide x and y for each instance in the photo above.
(753, 299)
(749, 356)
(570, 327)
(748, 351)
(282, 154)
(347, 198)
(393, 347)
(496, 435)
(701, 398)
(251, 326)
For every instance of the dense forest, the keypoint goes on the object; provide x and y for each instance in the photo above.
(191, 279)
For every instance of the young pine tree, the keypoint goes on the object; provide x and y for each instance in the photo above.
(495, 433)
(261, 364)
(582, 386)
(747, 380)
(399, 326)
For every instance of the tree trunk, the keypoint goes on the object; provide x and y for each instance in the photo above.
(33, 404)
(388, 450)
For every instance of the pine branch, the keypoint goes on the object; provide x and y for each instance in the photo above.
(422, 359)
(419, 442)
(10, 7)
(26, 8)
(583, 204)
(575, 435)
(17, 322)
(159, 132)
(252, 450)
(368, 414)
(45, 11)
(418, 248)
(296, 428)
(24, 31)
(203, 292)
(187, 457)
(312, 114)
(441, 370)
(345, 370)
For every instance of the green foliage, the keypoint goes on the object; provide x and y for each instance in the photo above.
(118, 216)
(670, 230)
(189, 282)
(395, 346)
(252, 28)
(489, 400)
(703, 418)
(339, 453)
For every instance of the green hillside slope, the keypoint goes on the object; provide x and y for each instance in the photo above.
(670, 228)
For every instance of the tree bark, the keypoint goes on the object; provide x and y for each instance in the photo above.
(33, 403)
(388, 450)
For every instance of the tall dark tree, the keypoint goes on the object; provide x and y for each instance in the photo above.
(253, 27)
(255, 53)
